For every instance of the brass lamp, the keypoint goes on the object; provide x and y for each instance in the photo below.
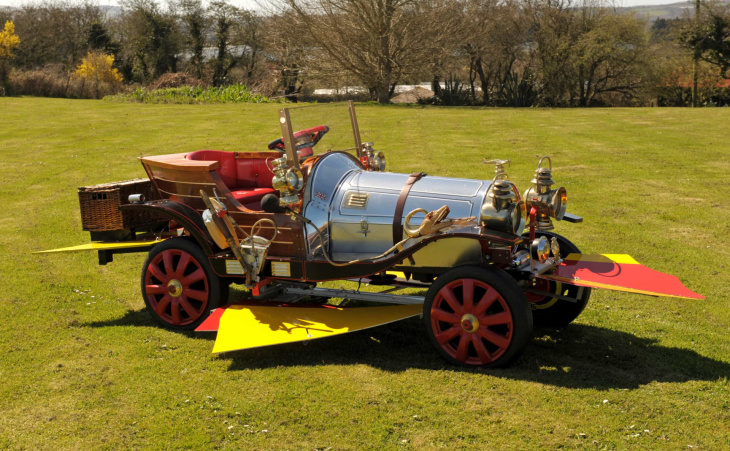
(503, 209)
(288, 181)
(551, 203)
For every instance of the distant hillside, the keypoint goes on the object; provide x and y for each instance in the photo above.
(670, 11)
(109, 10)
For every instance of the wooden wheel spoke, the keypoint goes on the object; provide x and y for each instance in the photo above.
(157, 273)
(450, 298)
(162, 305)
(448, 335)
(441, 315)
(462, 352)
(189, 309)
(181, 265)
(492, 337)
(198, 295)
(167, 259)
(193, 277)
(155, 289)
(467, 293)
(486, 301)
(482, 352)
(176, 311)
(497, 318)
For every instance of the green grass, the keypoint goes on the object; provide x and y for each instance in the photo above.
(83, 366)
(192, 94)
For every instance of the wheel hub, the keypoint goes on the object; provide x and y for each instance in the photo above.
(175, 288)
(469, 323)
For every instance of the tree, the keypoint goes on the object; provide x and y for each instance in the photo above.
(290, 55)
(8, 42)
(709, 36)
(54, 32)
(494, 40)
(99, 39)
(150, 39)
(250, 33)
(587, 51)
(195, 19)
(224, 16)
(376, 41)
(609, 55)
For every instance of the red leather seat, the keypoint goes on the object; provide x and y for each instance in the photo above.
(250, 198)
(248, 179)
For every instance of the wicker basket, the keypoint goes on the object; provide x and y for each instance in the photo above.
(100, 206)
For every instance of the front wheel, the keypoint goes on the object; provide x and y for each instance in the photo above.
(179, 286)
(477, 316)
(549, 311)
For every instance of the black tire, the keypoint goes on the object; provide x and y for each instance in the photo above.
(464, 339)
(180, 298)
(550, 312)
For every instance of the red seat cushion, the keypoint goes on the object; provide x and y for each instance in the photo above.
(226, 164)
(253, 172)
(248, 179)
(245, 196)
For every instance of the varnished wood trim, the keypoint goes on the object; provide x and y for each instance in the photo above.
(180, 195)
(185, 182)
(178, 162)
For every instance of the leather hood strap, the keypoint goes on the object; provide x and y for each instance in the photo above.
(398, 217)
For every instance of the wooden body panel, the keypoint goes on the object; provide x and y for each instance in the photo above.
(181, 180)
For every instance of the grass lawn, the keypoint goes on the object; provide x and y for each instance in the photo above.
(83, 366)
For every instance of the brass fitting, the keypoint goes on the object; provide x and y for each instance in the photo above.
(372, 159)
(551, 203)
(506, 211)
(288, 181)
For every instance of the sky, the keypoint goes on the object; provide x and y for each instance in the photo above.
(252, 3)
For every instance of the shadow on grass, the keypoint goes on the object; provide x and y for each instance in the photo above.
(578, 356)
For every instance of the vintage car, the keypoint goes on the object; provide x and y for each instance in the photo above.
(480, 259)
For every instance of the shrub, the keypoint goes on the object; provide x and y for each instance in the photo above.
(454, 93)
(189, 94)
(52, 81)
(673, 96)
(175, 80)
(517, 90)
(97, 69)
(8, 41)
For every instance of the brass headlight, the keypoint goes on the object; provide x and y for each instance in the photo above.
(540, 249)
(559, 203)
(372, 159)
(288, 181)
(503, 209)
(551, 203)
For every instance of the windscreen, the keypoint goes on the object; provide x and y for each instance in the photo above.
(336, 116)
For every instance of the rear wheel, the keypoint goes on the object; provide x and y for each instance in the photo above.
(179, 286)
(477, 316)
(549, 311)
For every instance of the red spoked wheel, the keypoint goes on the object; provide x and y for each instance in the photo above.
(178, 285)
(477, 316)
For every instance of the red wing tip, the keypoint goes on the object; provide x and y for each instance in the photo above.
(212, 322)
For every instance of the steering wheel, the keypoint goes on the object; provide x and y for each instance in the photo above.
(313, 134)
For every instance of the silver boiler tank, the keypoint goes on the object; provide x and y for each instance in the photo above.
(354, 209)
